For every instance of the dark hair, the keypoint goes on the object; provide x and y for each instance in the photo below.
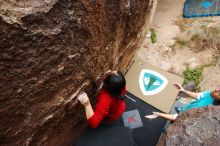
(216, 102)
(114, 84)
(216, 96)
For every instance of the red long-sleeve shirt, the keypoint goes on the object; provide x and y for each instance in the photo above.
(107, 107)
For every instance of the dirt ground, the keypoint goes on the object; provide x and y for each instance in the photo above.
(169, 25)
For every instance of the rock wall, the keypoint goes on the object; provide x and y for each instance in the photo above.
(52, 50)
(196, 127)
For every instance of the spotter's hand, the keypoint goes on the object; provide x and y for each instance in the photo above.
(178, 87)
(153, 116)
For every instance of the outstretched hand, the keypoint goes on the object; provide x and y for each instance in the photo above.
(178, 87)
(153, 116)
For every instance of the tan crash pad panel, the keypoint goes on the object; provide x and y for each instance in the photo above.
(152, 85)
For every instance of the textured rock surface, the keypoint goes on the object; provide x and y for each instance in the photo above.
(196, 127)
(55, 48)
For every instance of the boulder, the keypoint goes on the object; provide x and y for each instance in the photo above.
(52, 50)
(195, 127)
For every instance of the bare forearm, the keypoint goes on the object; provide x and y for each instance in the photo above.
(191, 94)
(168, 116)
(89, 111)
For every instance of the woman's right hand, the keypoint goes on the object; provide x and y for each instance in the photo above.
(178, 87)
(83, 98)
(109, 72)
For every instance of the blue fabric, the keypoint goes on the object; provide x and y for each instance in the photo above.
(204, 99)
(201, 8)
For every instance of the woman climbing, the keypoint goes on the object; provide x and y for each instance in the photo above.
(110, 102)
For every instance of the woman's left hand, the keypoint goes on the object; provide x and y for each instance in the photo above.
(83, 98)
